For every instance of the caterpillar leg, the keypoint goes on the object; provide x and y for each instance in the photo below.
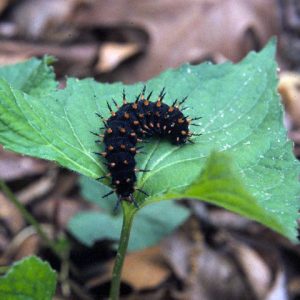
(143, 192)
(108, 194)
(190, 141)
(132, 200)
(117, 204)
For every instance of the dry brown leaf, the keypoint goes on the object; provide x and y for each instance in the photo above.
(294, 286)
(29, 246)
(255, 269)
(74, 59)
(112, 54)
(178, 31)
(15, 244)
(225, 264)
(229, 220)
(216, 277)
(10, 215)
(144, 269)
(65, 182)
(289, 42)
(4, 241)
(39, 187)
(57, 209)
(51, 19)
(3, 5)
(278, 291)
(14, 166)
(289, 88)
(168, 32)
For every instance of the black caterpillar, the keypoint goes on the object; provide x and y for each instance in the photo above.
(132, 123)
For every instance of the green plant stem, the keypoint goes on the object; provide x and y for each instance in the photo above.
(28, 217)
(128, 215)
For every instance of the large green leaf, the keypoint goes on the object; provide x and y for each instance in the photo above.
(28, 279)
(33, 76)
(219, 183)
(150, 225)
(241, 114)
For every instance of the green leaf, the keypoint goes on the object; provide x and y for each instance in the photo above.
(28, 279)
(93, 191)
(150, 225)
(33, 76)
(220, 184)
(241, 111)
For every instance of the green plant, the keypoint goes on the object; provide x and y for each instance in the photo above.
(242, 162)
(11, 285)
(30, 278)
(150, 224)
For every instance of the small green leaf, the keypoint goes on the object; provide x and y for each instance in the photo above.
(28, 279)
(34, 76)
(94, 191)
(151, 224)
